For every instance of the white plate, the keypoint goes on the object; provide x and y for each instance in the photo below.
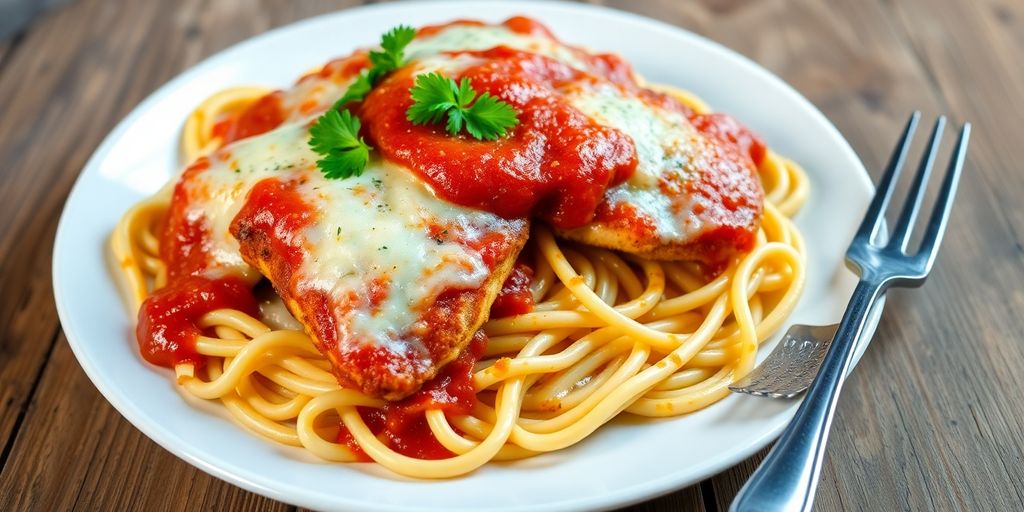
(624, 462)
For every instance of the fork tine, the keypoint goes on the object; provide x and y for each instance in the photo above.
(873, 217)
(900, 236)
(944, 203)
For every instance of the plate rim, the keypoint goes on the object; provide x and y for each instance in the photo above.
(250, 480)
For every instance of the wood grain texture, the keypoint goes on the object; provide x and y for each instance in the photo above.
(931, 419)
(928, 420)
(77, 452)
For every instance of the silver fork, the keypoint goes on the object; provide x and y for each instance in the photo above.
(787, 478)
(792, 366)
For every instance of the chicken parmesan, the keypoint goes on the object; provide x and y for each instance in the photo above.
(391, 281)
(474, 228)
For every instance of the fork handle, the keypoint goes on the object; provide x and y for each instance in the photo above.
(786, 479)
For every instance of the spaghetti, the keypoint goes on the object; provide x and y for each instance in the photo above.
(609, 334)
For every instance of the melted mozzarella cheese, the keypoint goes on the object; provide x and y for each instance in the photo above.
(370, 227)
(664, 139)
(218, 193)
(446, 64)
(666, 142)
(666, 145)
(312, 95)
(376, 226)
(373, 227)
(471, 38)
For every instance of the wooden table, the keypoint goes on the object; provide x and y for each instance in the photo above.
(932, 419)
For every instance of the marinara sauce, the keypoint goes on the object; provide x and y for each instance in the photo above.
(166, 330)
(555, 164)
(515, 297)
(404, 423)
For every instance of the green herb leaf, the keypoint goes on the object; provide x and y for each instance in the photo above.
(393, 44)
(335, 136)
(357, 91)
(490, 118)
(434, 96)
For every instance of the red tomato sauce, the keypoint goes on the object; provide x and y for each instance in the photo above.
(183, 246)
(625, 216)
(269, 112)
(269, 227)
(404, 423)
(263, 115)
(517, 24)
(727, 194)
(167, 329)
(270, 223)
(343, 68)
(276, 213)
(728, 131)
(515, 297)
(556, 164)
(528, 26)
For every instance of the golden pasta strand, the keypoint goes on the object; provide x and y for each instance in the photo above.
(610, 334)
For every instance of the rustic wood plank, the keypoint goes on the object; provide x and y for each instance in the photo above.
(866, 82)
(45, 136)
(53, 113)
(42, 145)
(927, 420)
(937, 377)
(855, 63)
(76, 452)
(977, 70)
(906, 433)
(115, 466)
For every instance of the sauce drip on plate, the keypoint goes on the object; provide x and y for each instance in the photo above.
(555, 165)
(404, 423)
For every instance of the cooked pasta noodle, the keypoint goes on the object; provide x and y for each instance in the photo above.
(610, 334)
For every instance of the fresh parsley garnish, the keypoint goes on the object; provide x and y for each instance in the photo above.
(355, 92)
(389, 58)
(393, 44)
(436, 96)
(335, 136)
